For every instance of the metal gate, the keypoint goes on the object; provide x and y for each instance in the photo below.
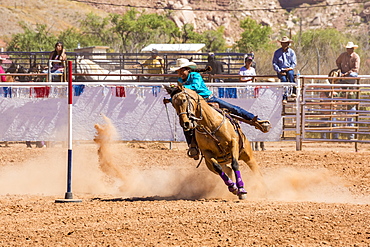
(326, 112)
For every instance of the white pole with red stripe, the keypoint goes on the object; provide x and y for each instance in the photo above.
(68, 195)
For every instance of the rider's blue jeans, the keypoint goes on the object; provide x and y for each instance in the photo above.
(236, 110)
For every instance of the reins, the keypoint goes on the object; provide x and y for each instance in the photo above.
(200, 128)
(189, 105)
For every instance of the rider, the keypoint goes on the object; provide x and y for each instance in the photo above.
(194, 81)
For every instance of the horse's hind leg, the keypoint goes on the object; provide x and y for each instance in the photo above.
(238, 178)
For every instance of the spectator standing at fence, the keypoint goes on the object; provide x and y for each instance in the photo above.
(349, 64)
(284, 62)
(217, 67)
(3, 77)
(247, 70)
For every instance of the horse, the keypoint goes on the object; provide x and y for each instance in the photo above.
(219, 138)
(17, 68)
(86, 66)
(35, 68)
(335, 73)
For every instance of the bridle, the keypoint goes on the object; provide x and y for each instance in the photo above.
(190, 107)
(191, 116)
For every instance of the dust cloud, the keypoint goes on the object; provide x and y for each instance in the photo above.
(295, 184)
(110, 168)
(132, 181)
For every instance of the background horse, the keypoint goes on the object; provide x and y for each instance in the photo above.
(220, 141)
(86, 66)
(17, 68)
(35, 68)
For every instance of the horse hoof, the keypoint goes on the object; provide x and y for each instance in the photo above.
(241, 192)
(242, 196)
(233, 189)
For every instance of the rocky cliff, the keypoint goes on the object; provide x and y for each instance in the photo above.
(284, 16)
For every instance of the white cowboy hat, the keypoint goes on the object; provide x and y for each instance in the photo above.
(182, 63)
(285, 39)
(351, 45)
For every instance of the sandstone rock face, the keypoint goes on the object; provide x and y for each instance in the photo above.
(287, 16)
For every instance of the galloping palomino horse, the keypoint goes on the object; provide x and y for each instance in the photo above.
(219, 138)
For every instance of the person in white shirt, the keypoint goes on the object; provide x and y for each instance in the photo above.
(247, 70)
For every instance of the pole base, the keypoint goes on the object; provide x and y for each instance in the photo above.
(68, 198)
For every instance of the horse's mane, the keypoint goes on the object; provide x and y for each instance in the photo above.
(175, 91)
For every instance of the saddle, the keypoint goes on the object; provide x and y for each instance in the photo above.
(258, 124)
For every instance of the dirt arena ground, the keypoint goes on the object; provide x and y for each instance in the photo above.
(150, 195)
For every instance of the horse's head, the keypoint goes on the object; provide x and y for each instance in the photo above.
(187, 105)
(12, 68)
(334, 73)
(36, 68)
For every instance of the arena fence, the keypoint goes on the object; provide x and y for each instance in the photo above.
(333, 112)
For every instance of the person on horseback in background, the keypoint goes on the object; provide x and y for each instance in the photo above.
(195, 82)
(349, 63)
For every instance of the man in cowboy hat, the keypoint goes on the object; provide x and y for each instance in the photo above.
(194, 81)
(349, 62)
(284, 62)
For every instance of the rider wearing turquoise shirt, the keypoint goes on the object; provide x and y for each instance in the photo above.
(195, 82)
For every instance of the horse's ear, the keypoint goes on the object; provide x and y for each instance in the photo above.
(169, 89)
(180, 86)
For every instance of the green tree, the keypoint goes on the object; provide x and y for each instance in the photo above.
(29, 40)
(96, 31)
(255, 37)
(214, 40)
(136, 30)
(71, 38)
(318, 49)
(188, 35)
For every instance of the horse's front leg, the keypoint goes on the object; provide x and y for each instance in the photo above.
(227, 180)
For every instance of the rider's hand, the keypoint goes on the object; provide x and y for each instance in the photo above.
(166, 101)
